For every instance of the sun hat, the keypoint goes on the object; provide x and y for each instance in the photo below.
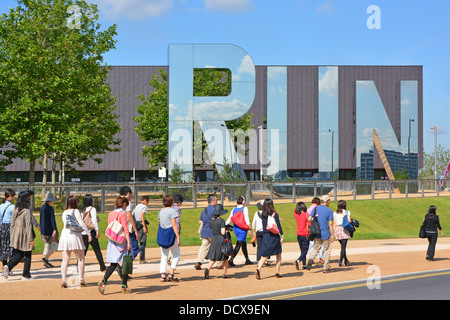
(260, 204)
(49, 197)
(325, 198)
(219, 210)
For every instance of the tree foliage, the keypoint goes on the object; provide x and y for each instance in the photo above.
(53, 92)
(443, 158)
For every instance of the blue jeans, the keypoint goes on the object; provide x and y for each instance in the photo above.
(303, 243)
(134, 244)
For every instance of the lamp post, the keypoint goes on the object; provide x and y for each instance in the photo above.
(332, 154)
(435, 157)
(409, 149)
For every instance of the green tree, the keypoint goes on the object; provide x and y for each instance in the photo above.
(443, 158)
(53, 93)
(153, 119)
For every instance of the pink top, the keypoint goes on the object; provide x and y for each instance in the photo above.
(121, 216)
(311, 208)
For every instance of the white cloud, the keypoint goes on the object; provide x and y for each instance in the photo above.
(326, 8)
(133, 9)
(227, 5)
(328, 84)
(229, 110)
(247, 65)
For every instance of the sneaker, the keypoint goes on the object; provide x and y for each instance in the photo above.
(326, 270)
(28, 278)
(47, 264)
(308, 266)
(5, 271)
(143, 262)
(296, 265)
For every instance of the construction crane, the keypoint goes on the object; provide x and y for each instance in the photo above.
(384, 159)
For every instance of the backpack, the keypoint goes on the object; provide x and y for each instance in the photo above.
(314, 230)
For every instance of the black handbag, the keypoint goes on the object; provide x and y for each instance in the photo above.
(314, 230)
(227, 246)
(422, 232)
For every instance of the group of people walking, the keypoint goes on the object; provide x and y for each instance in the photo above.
(129, 226)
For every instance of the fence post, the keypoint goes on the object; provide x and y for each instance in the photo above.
(271, 191)
(354, 190)
(373, 190)
(406, 189)
(222, 198)
(390, 189)
(423, 187)
(335, 191)
(103, 200)
(293, 192)
(194, 195)
(315, 189)
(136, 195)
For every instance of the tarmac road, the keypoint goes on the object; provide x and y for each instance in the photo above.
(430, 285)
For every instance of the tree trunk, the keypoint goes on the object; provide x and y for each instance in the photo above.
(44, 175)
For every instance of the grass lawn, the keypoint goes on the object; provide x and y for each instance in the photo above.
(379, 219)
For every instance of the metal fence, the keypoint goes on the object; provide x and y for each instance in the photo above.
(195, 194)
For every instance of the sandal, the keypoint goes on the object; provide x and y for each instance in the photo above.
(258, 274)
(126, 289)
(171, 277)
(101, 287)
(163, 278)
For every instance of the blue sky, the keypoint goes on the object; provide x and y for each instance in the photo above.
(295, 32)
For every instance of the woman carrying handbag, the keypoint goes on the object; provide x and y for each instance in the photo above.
(168, 239)
(271, 242)
(431, 224)
(241, 225)
(115, 251)
(215, 252)
(71, 239)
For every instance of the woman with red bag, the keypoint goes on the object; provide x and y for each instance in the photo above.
(241, 225)
(272, 242)
(302, 218)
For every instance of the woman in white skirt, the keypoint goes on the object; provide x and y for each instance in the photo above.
(116, 251)
(71, 240)
(341, 233)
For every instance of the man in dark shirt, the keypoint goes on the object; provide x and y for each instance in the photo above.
(206, 232)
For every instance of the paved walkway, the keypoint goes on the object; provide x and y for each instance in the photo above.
(368, 258)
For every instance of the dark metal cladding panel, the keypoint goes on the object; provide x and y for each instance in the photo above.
(303, 117)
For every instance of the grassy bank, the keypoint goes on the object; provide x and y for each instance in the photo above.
(379, 219)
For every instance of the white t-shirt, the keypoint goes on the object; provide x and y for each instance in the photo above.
(338, 217)
(137, 212)
(93, 218)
